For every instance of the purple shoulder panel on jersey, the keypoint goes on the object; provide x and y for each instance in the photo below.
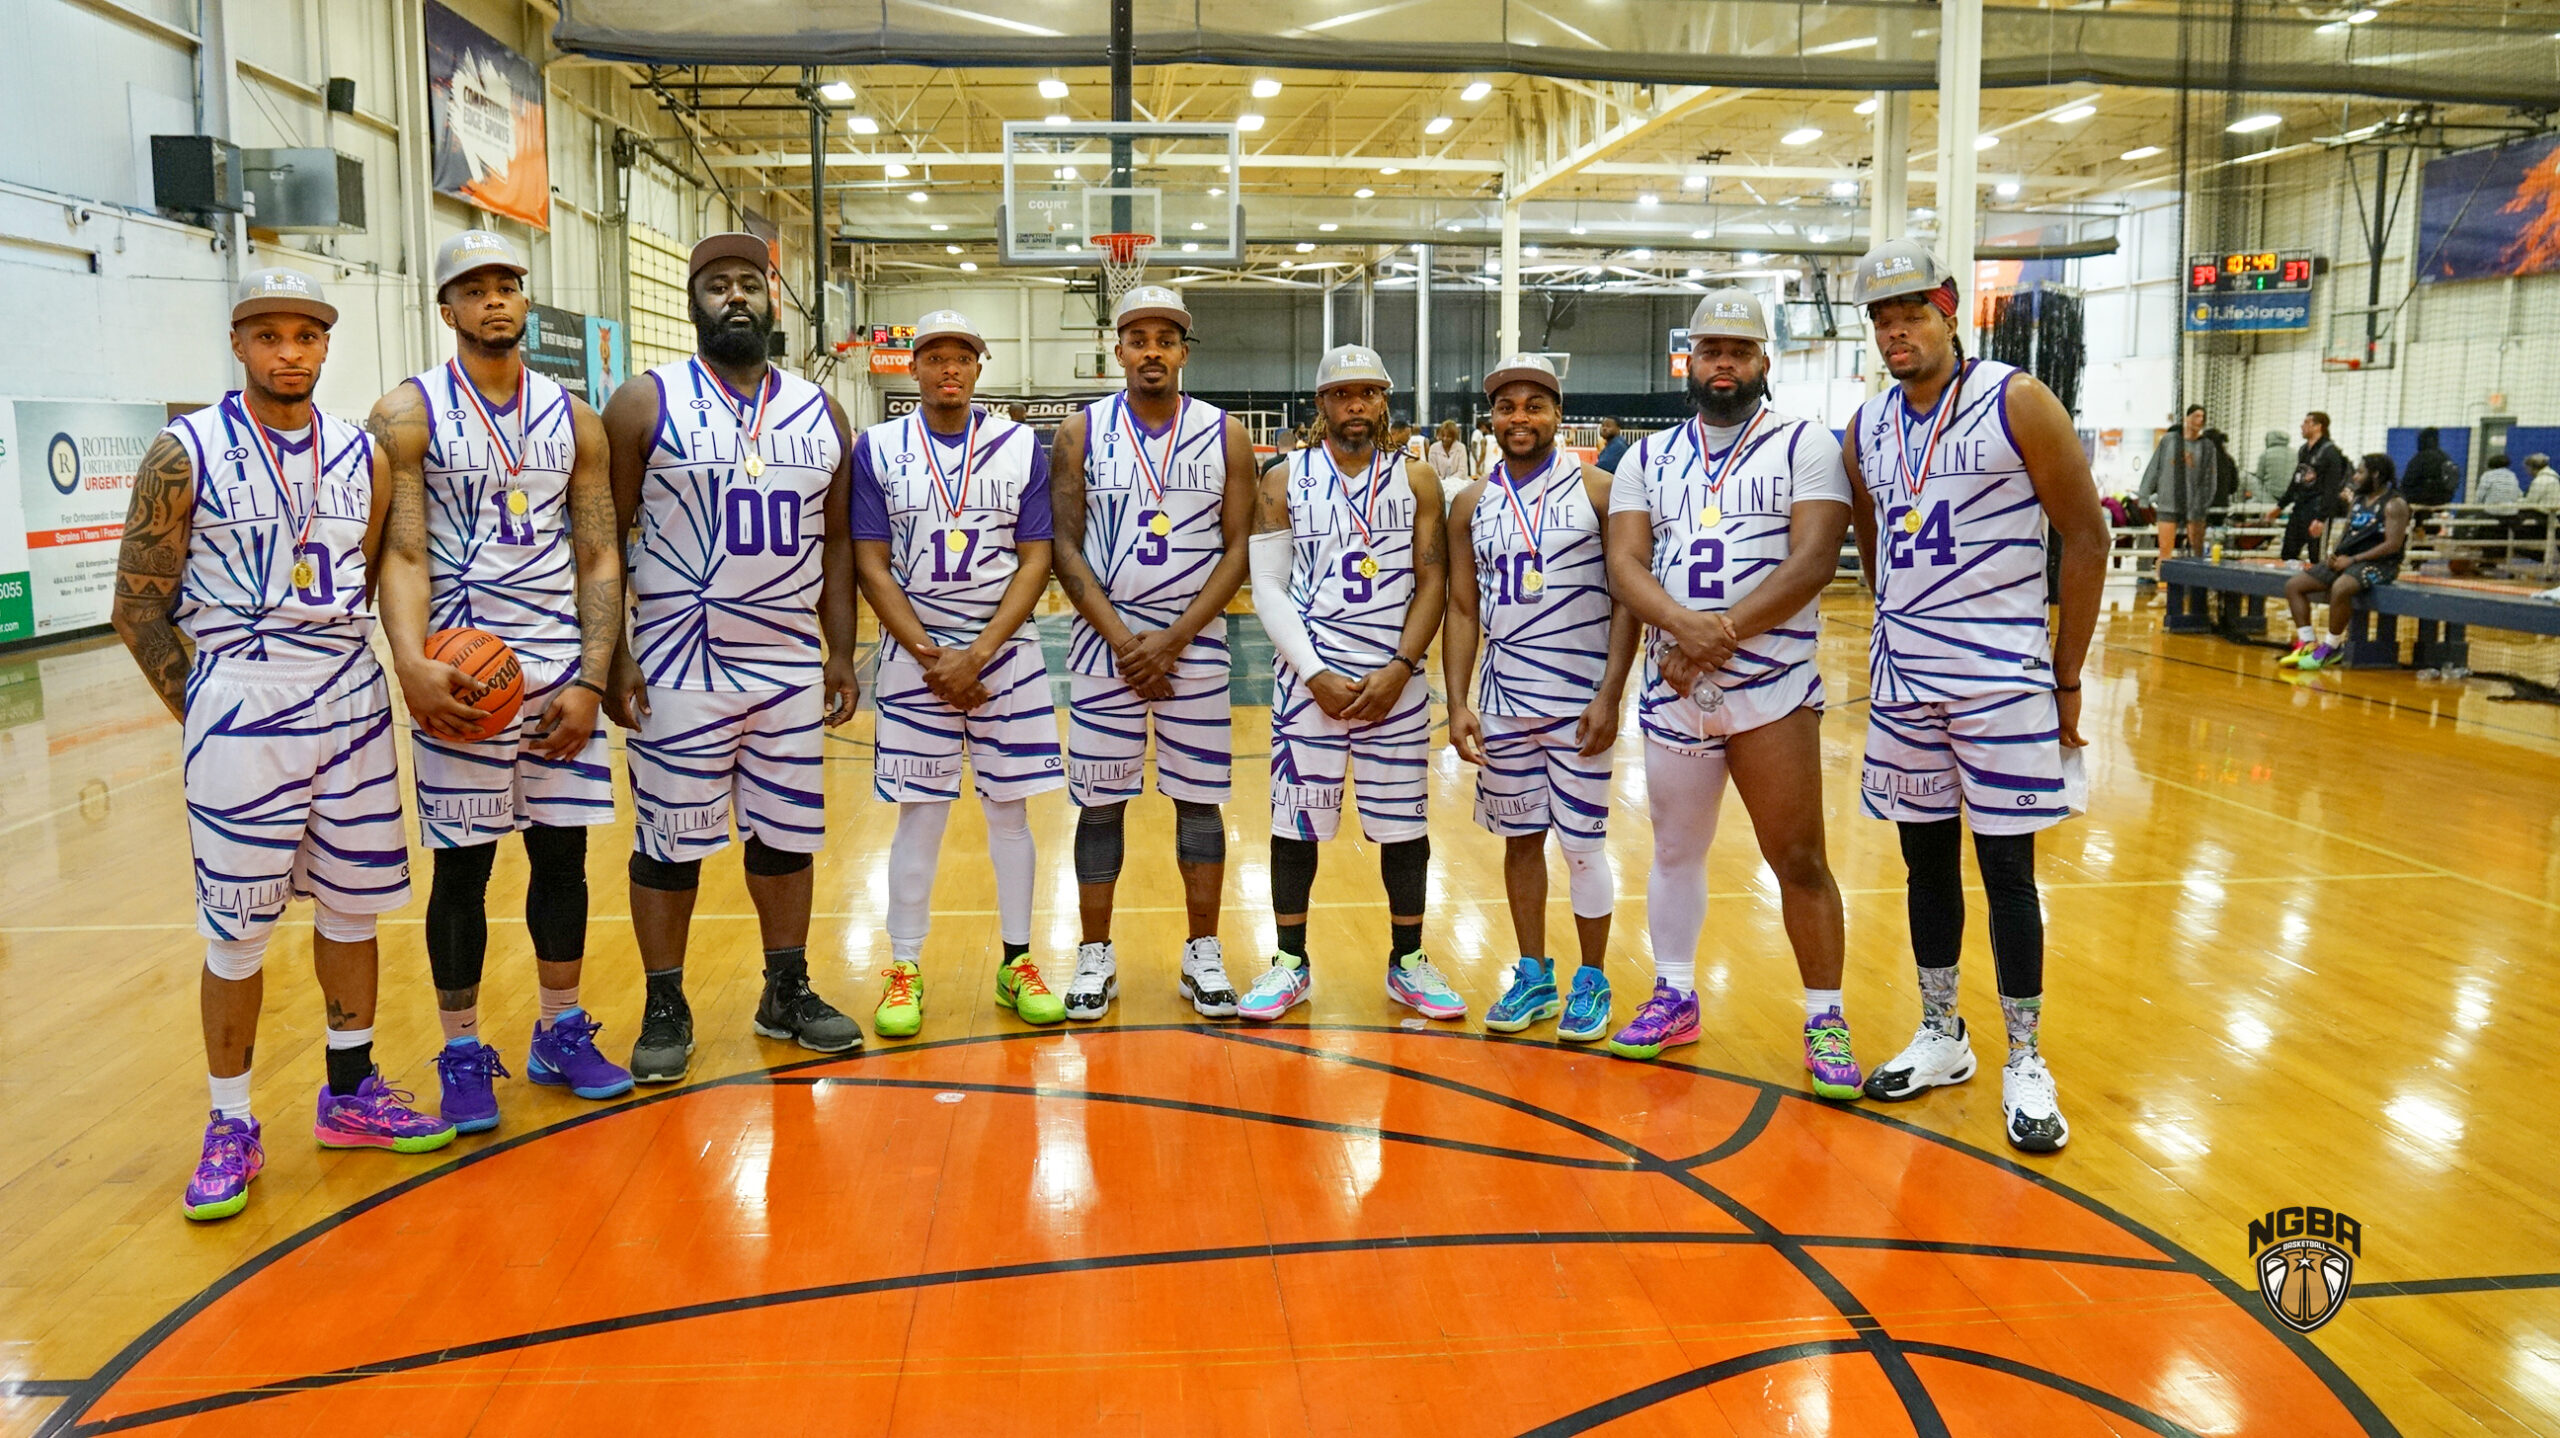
(870, 503)
(1034, 520)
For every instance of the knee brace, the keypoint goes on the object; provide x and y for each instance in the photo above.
(1405, 867)
(1199, 833)
(675, 878)
(1007, 818)
(329, 924)
(768, 862)
(1587, 877)
(1101, 841)
(237, 959)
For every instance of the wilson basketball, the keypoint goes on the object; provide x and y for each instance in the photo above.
(499, 680)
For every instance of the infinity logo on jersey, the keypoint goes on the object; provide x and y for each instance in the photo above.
(2303, 1263)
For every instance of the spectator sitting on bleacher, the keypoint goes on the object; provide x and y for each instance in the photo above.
(2497, 488)
(2372, 535)
(1613, 446)
(2542, 485)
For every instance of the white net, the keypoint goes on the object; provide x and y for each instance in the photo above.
(1124, 263)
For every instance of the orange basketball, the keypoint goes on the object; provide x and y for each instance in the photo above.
(492, 667)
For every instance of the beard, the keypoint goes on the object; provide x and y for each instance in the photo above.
(730, 344)
(1730, 408)
(500, 344)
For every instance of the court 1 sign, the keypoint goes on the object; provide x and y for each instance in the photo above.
(74, 483)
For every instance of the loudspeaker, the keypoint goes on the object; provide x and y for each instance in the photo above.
(342, 95)
(195, 173)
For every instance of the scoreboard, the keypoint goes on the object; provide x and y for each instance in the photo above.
(2248, 273)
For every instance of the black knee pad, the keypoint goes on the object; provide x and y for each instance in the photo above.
(681, 878)
(556, 853)
(1199, 833)
(1101, 842)
(767, 862)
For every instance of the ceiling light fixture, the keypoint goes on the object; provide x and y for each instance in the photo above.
(1805, 136)
(1867, 106)
(1053, 88)
(1265, 88)
(1844, 189)
(894, 170)
(1056, 120)
(951, 249)
(1648, 198)
(2362, 17)
(916, 195)
(1697, 274)
(1248, 122)
(1364, 192)
(835, 92)
(2006, 189)
(1190, 248)
(938, 229)
(1391, 169)
(1328, 227)
(1579, 230)
(1642, 254)
(969, 266)
(2140, 152)
(1439, 125)
(1985, 142)
(862, 124)
(1693, 182)
(1476, 91)
(2074, 115)
(1306, 247)
(2252, 124)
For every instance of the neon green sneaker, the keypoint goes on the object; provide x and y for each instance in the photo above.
(1020, 988)
(901, 1010)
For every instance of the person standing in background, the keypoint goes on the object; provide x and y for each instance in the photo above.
(2320, 471)
(1613, 446)
(2179, 483)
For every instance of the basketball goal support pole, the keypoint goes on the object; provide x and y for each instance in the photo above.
(1422, 343)
(1123, 55)
(818, 340)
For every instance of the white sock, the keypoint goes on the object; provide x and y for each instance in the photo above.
(349, 1038)
(1017, 863)
(1818, 1002)
(2304, 634)
(1687, 791)
(915, 851)
(230, 1095)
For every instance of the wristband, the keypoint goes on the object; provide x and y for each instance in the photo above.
(2066, 689)
(588, 686)
(1410, 666)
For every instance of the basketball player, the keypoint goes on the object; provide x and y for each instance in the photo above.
(1153, 494)
(1722, 532)
(951, 526)
(252, 532)
(741, 645)
(502, 521)
(1975, 721)
(1529, 581)
(2373, 536)
(1349, 570)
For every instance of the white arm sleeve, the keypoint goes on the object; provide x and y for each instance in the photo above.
(1271, 553)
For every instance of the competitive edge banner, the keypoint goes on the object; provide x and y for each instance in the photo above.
(484, 119)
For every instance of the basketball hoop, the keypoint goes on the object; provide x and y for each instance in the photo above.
(1124, 262)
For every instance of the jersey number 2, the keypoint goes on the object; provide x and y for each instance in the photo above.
(1706, 567)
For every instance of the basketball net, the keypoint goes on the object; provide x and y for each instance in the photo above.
(1124, 263)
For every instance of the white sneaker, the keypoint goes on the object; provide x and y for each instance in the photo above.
(1204, 979)
(2035, 1114)
(1096, 984)
(1933, 1060)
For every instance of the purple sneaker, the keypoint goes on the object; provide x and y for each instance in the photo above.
(1827, 1057)
(233, 1154)
(468, 1074)
(1667, 1020)
(564, 1055)
(377, 1115)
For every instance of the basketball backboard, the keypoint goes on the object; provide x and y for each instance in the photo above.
(1064, 184)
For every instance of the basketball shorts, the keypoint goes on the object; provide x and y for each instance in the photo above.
(1387, 763)
(1535, 779)
(2000, 755)
(1678, 722)
(479, 793)
(1107, 731)
(293, 789)
(1010, 742)
(2370, 573)
(703, 758)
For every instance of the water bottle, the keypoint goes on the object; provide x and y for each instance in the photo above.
(1706, 693)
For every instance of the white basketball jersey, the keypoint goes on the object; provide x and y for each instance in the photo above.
(954, 503)
(265, 507)
(1352, 572)
(1722, 522)
(728, 569)
(1152, 505)
(1544, 604)
(1960, 593)
(498, 556)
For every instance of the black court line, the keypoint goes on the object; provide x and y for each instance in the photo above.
(42, 1387)
(2430, 1287)
(64, 1420)
(1744, 1134)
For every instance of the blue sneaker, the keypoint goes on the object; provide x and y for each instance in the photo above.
(1586, 1009)
(564, 1056)
(1528, 995)
(468, 1073)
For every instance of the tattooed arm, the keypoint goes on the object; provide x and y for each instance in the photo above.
(149, 566)
(399, 428)
(631, 420)
(596, 548)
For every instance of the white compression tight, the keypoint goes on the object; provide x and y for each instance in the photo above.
(1686, 792)
(915, 852)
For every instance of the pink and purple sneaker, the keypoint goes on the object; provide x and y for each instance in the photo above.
(565, 1056)
(1828, 1059)
(377, 1115)
(467, 1072)
(233, 1155)
(1667, 1020)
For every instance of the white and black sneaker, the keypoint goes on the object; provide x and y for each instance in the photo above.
(1204, 979)
(1933, 1060)
(1096, 984)
(2028, 1101)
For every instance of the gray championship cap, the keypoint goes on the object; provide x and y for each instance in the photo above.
(729, 245)
(1525, 367)
(1731, 313)
(281, 292)
(1894, 269)
(948, 325)
(1351, 364)
(472, 250)
(1150, 302)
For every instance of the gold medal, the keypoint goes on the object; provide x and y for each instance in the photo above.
(305, 574)
(1911, 521)
(1710, 517)
(1531, 581)
(955, 540)
(515, 501)
(1161, 524)
(754, 464)
(1368, 567)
